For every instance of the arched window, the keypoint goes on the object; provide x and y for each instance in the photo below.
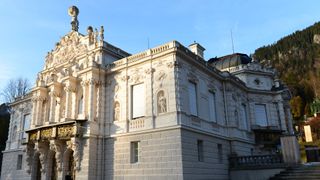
(162, 102)
(80, 105)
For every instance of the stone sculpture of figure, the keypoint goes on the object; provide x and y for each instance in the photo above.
(76, 154)
(96, 33)
(116, 111)
(90, 34)
(162, 103)
(101, 34)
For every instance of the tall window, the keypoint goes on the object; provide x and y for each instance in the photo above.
(80, 107)
(26, 124)
(193, 98)
(200, 150)
(212, 105)
(261, 115)
(138, 101)
(19, 162)
(14, 133)
(244, 117)
(220, 153)
(134, 148)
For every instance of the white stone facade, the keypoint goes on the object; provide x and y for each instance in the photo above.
(84, 122)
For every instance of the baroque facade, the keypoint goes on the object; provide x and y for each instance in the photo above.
(97, 112)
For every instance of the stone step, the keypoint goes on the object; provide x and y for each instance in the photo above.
(292, 178)
(301, 173)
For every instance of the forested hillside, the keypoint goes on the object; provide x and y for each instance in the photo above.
(297, 60)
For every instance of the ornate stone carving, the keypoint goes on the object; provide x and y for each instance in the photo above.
(75, 146)
(33, 135)
(173, 64)
(125, 78)
(46, 133)
(57, 148)
(65, 131)
(116, 88)
(160, 77)
(136, 77)
(149, 70)
(41, 149)
(70, 88)
(66, 50)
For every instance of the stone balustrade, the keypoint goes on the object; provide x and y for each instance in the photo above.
(255, 161)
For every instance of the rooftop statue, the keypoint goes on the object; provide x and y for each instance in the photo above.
(74, 12)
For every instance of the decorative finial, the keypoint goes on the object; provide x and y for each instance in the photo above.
(73, 11)
(101, 34)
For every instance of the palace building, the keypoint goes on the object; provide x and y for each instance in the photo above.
(98, 112)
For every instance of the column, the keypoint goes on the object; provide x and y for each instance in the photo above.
(34, 110)
(52, 107)
(57, 111)
(98, 101)
(58, 147)
(42, 149)
(40, 109)
(282, 116)
(68, 91)
(85, 98)
(74, 110)
(290, 126)
(91, 104)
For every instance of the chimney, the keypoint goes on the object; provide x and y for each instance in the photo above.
(197, 49)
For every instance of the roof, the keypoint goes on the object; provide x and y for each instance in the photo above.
(229, 61)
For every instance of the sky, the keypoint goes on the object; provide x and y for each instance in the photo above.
(29, 29)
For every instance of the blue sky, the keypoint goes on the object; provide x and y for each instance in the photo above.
(29, 29)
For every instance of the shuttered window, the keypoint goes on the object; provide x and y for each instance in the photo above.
(138, 101)
(193, 98)
(261, 115)
(212, 105)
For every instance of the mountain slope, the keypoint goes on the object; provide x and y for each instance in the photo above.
(297, 60)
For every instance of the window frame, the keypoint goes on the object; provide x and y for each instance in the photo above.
(193, 112)
(24, 128)
(134, 152)
(244, 116)
(213, 106)
(220, 153)
(143, 101)
(266, 115)
(19, 161)
(200, 150)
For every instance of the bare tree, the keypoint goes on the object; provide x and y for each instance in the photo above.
(15, 88)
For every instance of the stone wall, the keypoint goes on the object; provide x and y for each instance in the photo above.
(159, 156)
(9, 166)
(212, 166)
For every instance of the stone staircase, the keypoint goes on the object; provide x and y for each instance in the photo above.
(303, 172)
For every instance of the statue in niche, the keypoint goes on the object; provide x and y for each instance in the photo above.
(116, 111)
(162, 102)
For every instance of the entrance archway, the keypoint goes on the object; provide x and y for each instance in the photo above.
(36, 170)
(52, 166)
(69, 166)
